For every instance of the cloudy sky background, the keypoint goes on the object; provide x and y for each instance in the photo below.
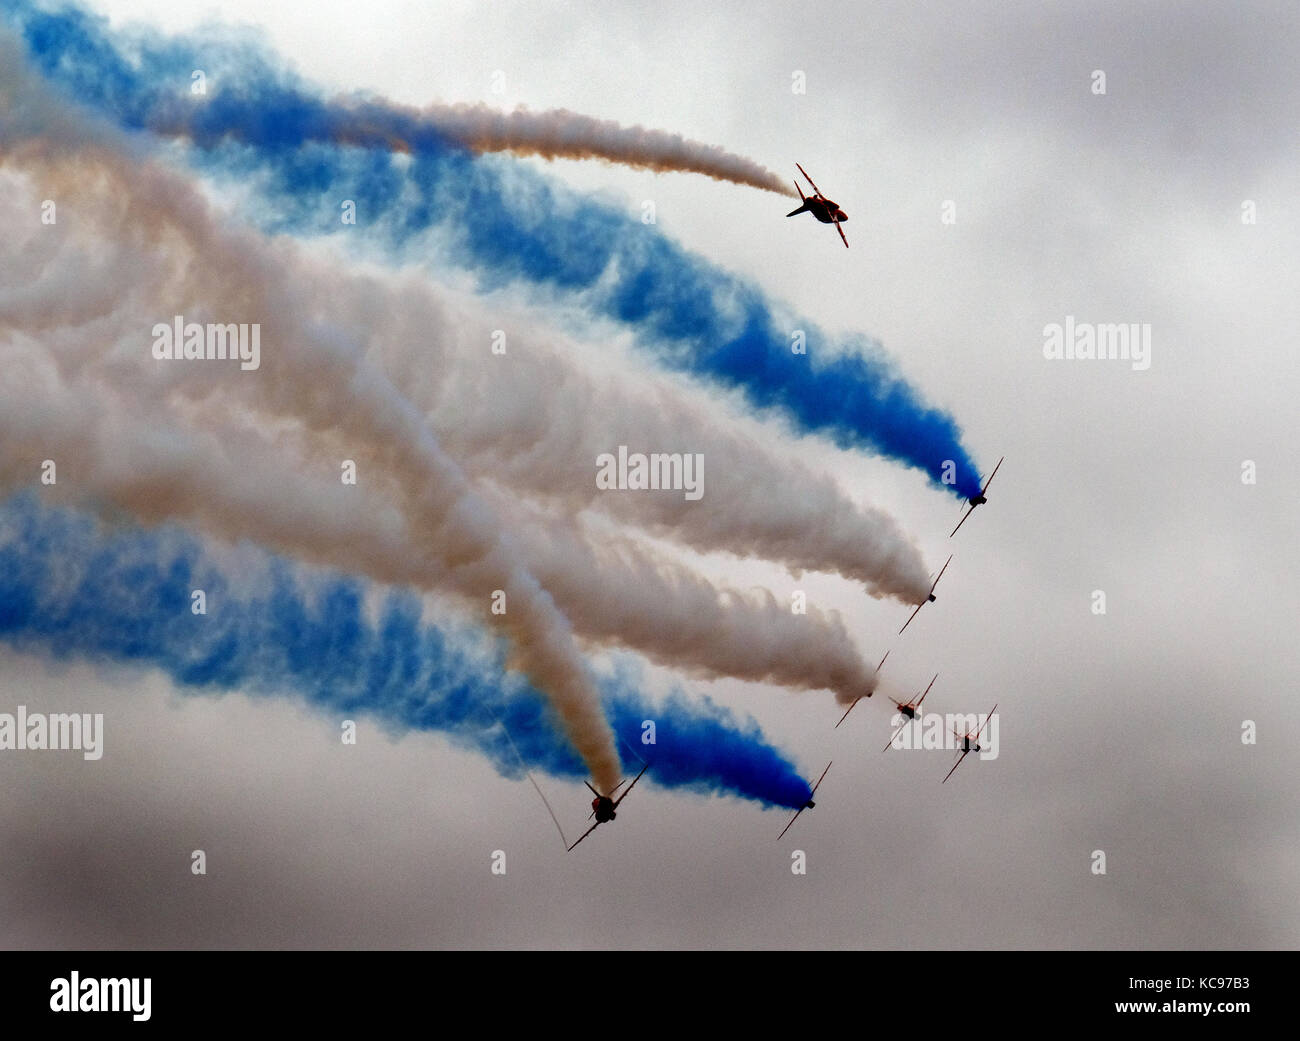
(1119, 733)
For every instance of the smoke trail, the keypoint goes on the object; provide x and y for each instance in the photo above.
(553, 134)
(617, 593)
(691, 314)
(371, 122)
(555, 411)
(74, 590)
(621, 596)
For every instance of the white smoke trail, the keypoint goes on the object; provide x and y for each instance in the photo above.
(551, 134)
(561, 134)
(536, 419)
(618, 592)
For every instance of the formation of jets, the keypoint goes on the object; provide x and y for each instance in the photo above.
(829, 212)
(604, 807)
(911, 710)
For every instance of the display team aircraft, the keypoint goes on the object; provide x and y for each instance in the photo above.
(824, 209)
(976, 500)
(603, 807)
(931, 597)
(806, 806)
(910, 710)
(856, 700)
(969, 743)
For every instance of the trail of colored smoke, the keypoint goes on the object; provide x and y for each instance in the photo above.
(506, 223)
(74, 589)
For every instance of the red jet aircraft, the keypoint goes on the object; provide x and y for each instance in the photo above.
(824, 209)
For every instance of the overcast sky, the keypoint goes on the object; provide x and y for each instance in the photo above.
(1119, 733)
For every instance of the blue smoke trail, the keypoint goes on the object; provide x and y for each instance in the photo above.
(73, 588)
(503, 221)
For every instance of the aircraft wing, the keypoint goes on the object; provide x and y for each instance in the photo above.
(632, 785)
(958, 763)
(810, 795)
(940, 574)
(991, 476)
(927, 690)
(961, 522)
(985, 723)
(846, 241)
(810, 180)
(583, 836)
(796, 816)
(909, 621)
(894, 735)
(847, 711)
(856, 700)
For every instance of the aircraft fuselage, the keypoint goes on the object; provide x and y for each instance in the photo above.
(826, 211)
(823, 209)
